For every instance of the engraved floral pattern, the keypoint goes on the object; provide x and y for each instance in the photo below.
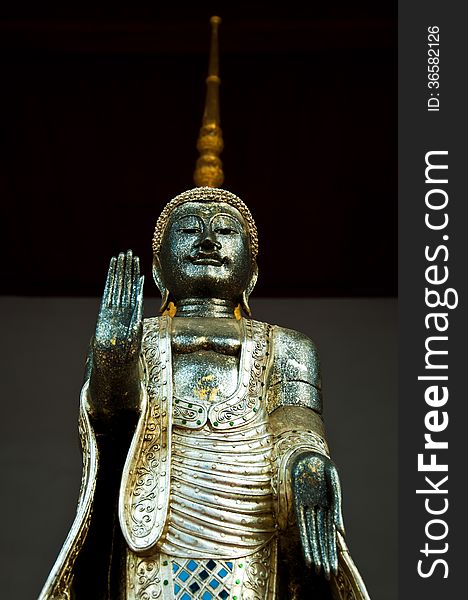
(242, 409)
(259, 576)
(344, 586)
(143, 578)
(146, 478)
(58, 584)
(188, 414)
(146, 481)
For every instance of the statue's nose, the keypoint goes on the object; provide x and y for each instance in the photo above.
(209, 242)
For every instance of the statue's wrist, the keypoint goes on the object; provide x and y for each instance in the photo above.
(115, 365)
(113, 393)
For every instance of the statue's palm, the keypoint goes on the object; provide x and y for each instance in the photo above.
(117, 341)
(317, 501)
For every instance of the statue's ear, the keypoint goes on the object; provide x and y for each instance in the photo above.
(246, 293)
(159, 282)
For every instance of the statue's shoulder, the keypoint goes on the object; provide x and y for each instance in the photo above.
(289, 341)
(295, 356)
(294, 341)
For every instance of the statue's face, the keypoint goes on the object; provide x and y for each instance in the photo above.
(205, 252)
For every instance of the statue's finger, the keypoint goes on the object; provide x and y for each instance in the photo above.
(118, 280)
(334, 483)
(137, 314)
(141, 283)
(136, 269)
(107, 295)
(332, 550)
(323, 537)
(127, 279)
(136, 279)
(314, 539)
(305, 539)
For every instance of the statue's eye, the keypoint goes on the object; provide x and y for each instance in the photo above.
(190, 230)
(225, 230)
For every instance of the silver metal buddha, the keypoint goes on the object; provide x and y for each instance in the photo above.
(206, 471)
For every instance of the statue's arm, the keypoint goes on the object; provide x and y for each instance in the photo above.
(295, 405)
(295, 379)
(112, 366)
(111, 400)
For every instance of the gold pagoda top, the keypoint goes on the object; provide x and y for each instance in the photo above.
(209, 168)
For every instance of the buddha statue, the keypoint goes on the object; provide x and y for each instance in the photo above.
(206, 472)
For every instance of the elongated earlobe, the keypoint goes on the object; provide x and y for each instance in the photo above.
(246, 293)
(159, 282)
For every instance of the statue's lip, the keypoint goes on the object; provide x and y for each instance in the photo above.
(211, 258)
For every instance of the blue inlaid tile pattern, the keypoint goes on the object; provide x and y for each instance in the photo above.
(192, 565)
(201, 579)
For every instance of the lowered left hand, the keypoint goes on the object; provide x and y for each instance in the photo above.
(317, 501)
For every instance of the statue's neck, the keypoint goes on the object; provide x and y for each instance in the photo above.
(205, 307)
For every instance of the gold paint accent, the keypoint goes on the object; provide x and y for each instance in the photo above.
(170, 310)
(237, 312)
(207, 377)
(209, 168)
(206, 392)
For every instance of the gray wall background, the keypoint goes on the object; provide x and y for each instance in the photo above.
(42, 357)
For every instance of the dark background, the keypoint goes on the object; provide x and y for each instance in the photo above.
(99, 113)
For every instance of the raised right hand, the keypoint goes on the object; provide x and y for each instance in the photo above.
(119, 327)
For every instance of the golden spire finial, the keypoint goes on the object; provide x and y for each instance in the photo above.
(209, 168)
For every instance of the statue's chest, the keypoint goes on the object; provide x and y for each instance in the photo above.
(204, 375)
(216, 370)
(205, 358)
